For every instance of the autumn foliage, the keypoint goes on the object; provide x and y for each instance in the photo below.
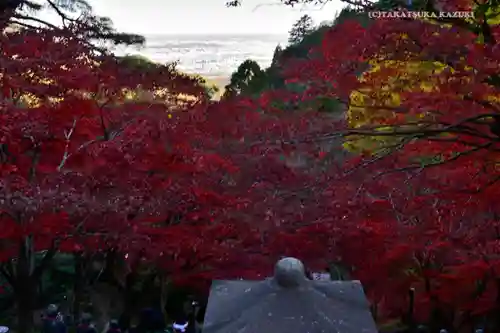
(187, 186)
(423, 103)
(205, 190)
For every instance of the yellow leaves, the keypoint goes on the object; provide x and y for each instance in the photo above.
(126, 95)
(426, 87)
(493, 15)
(130, 95)
(29, 101)
(489, 10)
(374, 104)
(364, 144)
(32, 101)
(493, 98)
(408, 75)
(371, 144)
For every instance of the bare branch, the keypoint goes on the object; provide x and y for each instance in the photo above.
(434, 164)
(8, 276)
(61, 14)
(67, 136)
(34, 19)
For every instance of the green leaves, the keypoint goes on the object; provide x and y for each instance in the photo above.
(247, 80)
(329, 104)
(302, 28)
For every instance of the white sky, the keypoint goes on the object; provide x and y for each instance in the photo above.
(208, 16)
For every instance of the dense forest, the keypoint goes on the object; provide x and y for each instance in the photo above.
(368, 147)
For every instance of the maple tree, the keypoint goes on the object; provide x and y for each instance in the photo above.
(206, 190)
(59, 192)
(23, 14)
(432, 177)
(84, 170)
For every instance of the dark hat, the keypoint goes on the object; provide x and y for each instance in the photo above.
(86, 318)
(113, 324)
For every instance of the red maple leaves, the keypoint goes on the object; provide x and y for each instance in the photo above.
(223, 189)
(113, 167)
(432, 224)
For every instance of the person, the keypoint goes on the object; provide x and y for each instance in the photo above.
(86, 325)
(200, 317)
(51, 322)
(180, 327)
(150, 321)
(157, 320)
(113, 327)
(182, 323)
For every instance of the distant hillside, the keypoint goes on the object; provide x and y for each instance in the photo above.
(220, 82)
(214, 84)
(251, 80)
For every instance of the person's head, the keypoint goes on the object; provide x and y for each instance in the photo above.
(149, 320)
(114, 325)
(52, 310)
(86, 318)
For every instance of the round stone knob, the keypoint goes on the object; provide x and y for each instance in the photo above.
(289, 273)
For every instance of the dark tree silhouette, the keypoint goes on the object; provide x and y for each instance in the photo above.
(75, 14)
(276, 55)
(303, 27)
(244, 79)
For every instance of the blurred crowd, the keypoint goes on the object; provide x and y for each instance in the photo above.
(151, 320)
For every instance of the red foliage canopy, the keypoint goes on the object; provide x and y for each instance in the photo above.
(225, 189)
(434, 194)
(196, 187)
(56, 155)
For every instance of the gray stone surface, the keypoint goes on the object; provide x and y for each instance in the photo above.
(288, 302)
(290, 273)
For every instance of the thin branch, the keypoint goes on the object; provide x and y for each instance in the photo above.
(8, 276)
(257, 7)
(26, 25)
(63, 16)
(67, 136)
(434, 164)
(34, 19)
(47, 258)
(389, 151)
(397, 131)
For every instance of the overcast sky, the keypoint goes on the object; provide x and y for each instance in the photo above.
(207, 16)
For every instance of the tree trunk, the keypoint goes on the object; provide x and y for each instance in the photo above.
(25, 288)
(78, 287)
(129, 300)
(25, 281)
(25, 309)
(163, 295)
